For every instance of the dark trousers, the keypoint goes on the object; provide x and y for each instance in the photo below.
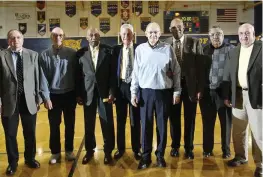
(10, 125)
(154, 101)
(65, 103)
(106, 122)
(123, 101)
(189, 120)
(212, 104)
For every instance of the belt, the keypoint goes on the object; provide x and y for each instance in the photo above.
(246, 89)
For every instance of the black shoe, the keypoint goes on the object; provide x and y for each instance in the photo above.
(189, 155)
(118, 154)
(226, 155)
(11, 169)
(87, 158)
(161, 162)
(144, 164)
(258, 172)
(236, 162)
(208, 154)
(174, 152)
(32, 164)
(137, 155)
(107, 159)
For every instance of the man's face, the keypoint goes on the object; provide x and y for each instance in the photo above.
(126, 36)
(246, 35)
(216, 36)
(57, 36)
(153, 34)
(93, 37)
(15, 40)
(177, 29)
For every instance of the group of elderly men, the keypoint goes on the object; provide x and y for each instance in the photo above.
(152, 78)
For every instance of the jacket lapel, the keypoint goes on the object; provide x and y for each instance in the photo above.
(119, 61)
(255, 51)
(26, 61)
(10, 63)
(101, 56)
(88, 57)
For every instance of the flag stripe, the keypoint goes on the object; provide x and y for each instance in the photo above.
(226, 15)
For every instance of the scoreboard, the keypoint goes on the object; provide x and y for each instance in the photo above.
(195, 22)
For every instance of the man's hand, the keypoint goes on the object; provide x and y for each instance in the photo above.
(134, 101)
(48, 104)
(198, 96)
(111, 99)
(228, 103)
(176, 99)
(79, 100)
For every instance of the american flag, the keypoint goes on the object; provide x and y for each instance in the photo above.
(226, 15)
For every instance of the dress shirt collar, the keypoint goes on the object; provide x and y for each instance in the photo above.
(13, 52)
(155, 45)
(129, 46)
(181, 40)
(94, 48)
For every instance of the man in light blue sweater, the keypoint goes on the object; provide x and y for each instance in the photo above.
(155, 72)
(57, 88)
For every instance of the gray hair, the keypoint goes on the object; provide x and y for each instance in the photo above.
(216, 27)
(11, 31)
(153, 24)
(127, 26)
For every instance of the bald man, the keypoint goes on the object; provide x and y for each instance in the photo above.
(243, 74)
(96, 89)
(188, 51)
(155, 72)
(57, 88)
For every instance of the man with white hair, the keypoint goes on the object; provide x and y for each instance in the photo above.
(123, 55)
(212, 103)
(155, 72)
(243, 74)
(57, 88)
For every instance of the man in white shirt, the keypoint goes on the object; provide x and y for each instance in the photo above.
(243, 72)
(95, 85)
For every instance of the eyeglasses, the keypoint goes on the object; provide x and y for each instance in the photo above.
(215, 34)
(57, 35)
(153, 32)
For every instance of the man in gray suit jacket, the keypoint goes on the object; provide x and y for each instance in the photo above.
(188, 51)
(19, 95)
(243, 74)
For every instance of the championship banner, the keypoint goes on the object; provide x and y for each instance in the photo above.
(70, 8)
(72, 43)
(137, 7)
(41, 16)
(53, 23)
(42, 29)
(144, 22)
(124, 22)
(22, 27)
(153, 7)
(124, 4)
(112, 8)
(83, 22)
(41, 5)
(95, 8)
(22, 16)
(125, 14)
(104, 25)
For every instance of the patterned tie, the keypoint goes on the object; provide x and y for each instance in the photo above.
(128, 67)
(178, 51)
(19, 73)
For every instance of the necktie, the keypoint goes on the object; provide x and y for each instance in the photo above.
(128, 67)
(19, 73)
(178, 51)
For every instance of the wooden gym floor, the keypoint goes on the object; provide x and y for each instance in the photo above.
(127, 165)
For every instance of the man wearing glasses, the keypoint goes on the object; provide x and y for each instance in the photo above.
(212, 102)
(155, 72)
(57, 88)
(188, 51)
